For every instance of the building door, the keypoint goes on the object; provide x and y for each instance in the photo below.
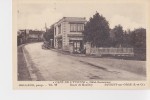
(77, 46)
(59, 44)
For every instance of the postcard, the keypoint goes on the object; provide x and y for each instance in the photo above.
(81, 44)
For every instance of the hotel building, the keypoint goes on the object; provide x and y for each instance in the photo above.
(68, 34)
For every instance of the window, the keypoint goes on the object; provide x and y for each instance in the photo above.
(80, 27)
(73, 27)
(55, 31)
(59, 29)
(76, 27)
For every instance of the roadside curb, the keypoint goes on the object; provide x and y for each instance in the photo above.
(32, 75)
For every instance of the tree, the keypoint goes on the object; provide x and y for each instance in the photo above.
(49, 34)
(126, 39)
(138, 38)
(138, 41)
(118, 35)
(97, 31)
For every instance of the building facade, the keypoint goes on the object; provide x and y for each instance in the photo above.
(22, 36)
(26, 36)
(35, 36)
(68, 34)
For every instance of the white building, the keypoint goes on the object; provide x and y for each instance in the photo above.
(68, 34)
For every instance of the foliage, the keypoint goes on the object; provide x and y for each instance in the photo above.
(118, 36)
(97, 31)
(138, 38)
(49, 34)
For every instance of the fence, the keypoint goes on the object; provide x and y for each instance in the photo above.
(112, 51)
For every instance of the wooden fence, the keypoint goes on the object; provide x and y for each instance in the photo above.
(112, 51)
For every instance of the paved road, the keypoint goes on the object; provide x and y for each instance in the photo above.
(50, 65)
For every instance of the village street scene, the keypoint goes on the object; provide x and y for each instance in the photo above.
(88, 44)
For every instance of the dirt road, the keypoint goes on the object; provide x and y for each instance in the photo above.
(49, 65)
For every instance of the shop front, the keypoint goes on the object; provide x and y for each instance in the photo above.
(59, 43)
(76, 45)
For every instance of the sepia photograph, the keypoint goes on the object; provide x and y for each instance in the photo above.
(72, 40)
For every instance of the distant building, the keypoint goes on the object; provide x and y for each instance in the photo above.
(68, 34)
(26, 36)
(22, 36)
(35, 35)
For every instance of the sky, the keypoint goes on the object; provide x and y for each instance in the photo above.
(34, 15)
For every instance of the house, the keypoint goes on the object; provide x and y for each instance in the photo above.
(22, 36)
(35, 35)
(26, 36)
(68, 34)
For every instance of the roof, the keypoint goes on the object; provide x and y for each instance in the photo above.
(72, 19)
(76, 19)
(35, 32)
